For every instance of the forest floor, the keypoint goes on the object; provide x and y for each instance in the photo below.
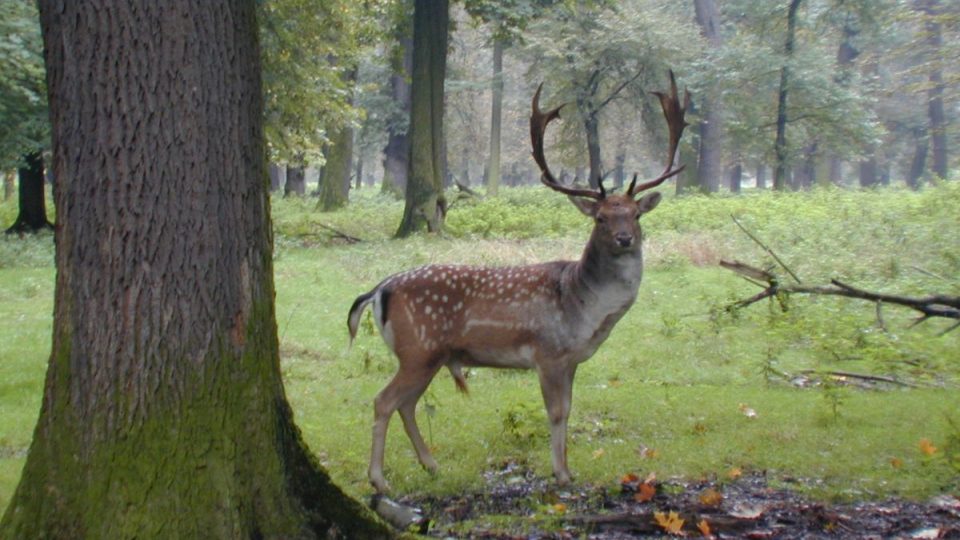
(518, 504)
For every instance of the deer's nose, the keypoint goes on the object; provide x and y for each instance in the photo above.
(623, 239)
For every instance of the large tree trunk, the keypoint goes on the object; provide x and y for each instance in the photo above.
(33, 206)
(710, 166)
(496, 117)
(163, 413)
(781, 172)
(425, 205)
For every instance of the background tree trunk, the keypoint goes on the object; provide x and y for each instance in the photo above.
(425, 205)
(591, 126)
(935, 111)
(688, 180)
(496, 117)
(919, 162)
(396, 154)
(163, 413)
(868, 172)
(33, 207)
(761, 176)
(711, 132)
(846, 54)
(9, 185)
(335, 187)
(736, 177)
(296, 181)
(278, 176)
(781, 171)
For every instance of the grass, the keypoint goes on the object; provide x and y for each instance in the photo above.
(674, 378)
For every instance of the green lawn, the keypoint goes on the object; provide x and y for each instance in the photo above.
(675, 378)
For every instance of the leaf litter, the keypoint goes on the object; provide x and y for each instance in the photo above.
(516, 503)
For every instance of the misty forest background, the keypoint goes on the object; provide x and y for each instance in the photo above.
(787, 95)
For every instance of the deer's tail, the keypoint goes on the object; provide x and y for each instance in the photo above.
(356, 310)
(378, 299)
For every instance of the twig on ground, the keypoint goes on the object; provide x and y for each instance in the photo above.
(861, 376)
(336, 233)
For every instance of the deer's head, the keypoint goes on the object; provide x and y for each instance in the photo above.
(615, 216)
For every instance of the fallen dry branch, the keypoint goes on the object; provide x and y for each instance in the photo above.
(860, 376)
(337, 234)
(934, 306)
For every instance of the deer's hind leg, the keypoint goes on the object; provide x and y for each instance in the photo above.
(401, 394)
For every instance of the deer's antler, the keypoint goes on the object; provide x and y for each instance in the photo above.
(538, 126)
(673, 112)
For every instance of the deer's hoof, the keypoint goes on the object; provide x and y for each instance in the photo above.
(380, 484)
(430, 466)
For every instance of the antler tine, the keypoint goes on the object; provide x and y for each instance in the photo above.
(538, 127)
(673, 112)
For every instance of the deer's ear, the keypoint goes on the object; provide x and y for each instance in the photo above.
(587, 206)
(648, 202)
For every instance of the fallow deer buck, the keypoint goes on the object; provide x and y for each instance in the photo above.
(549, 317)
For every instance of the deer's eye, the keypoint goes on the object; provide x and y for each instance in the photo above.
(601, 220)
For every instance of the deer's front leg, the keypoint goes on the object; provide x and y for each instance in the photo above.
(556, 384)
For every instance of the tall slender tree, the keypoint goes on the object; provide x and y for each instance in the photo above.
(164, 412)
(935, 109)
(496, 118)
(710, 165)
(781, 171)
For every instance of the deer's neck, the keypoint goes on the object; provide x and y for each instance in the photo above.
(598, 269)
(603, 284)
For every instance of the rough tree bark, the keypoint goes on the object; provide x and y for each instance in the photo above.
(33, 207)
(425, 205)
(163, 413)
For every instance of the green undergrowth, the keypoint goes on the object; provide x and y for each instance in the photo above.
(683, 387)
